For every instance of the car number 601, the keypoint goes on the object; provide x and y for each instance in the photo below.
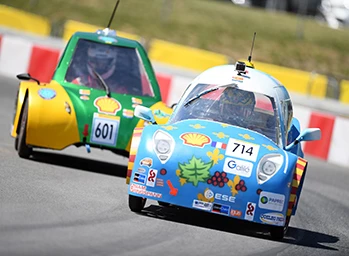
(105, 129)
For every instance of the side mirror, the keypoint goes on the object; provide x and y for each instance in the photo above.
(144, 113)
(308, 134)
(27, 77)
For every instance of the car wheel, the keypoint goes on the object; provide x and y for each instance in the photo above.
(16, 143)
(163, 204)
(23, 150)
(136, 203)
(278, 233)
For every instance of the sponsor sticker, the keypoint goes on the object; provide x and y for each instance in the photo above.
(221, 208)
(47, 93)
(226, 198)
(235, 213)
(242, 149)
(271, 201)
(275, 218)
(249, 212)
(139, 178)
(142, 190)
(195, 139)
(208, 194)
(146, 162)
(206, 206)
(238, 167)
(159, 182)
(141, 170)
(152, 177)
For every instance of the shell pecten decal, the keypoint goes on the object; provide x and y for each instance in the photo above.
(269, 147)
(107, 105)
(246, 136)
(195, 139)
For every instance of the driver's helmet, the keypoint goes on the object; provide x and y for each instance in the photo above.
(236, 106)
(102, 59)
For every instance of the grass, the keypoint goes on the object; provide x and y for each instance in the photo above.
(282, 39)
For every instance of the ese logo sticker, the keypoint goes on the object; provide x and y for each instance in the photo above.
(238, 167)
(271, 201)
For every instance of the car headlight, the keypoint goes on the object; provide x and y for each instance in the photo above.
(268, 167)
(163, 145)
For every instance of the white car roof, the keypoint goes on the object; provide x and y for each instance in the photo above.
(254, 80)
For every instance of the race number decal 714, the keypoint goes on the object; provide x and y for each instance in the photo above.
(242, 149)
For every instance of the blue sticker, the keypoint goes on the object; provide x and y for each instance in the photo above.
(221, 208)
(47, 93)
(140, 178)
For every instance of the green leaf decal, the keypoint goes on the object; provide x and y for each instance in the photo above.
(195, 171)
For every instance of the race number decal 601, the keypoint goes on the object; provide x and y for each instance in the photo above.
(105, 129)
(242, 149)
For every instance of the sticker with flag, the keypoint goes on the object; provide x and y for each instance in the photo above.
(217, 144)
(127, 113)
(84, 92)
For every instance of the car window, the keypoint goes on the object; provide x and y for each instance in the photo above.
(245, 109)
(120, 67)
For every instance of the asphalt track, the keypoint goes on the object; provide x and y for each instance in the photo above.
(74, 203)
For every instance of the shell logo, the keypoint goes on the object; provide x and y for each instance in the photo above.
(107, 105)
(195, 139)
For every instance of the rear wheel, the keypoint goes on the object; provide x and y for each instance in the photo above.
(278, 233)
(135, 203)
(23, 150)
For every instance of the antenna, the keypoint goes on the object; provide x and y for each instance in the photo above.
(250, 57)
(112, 16)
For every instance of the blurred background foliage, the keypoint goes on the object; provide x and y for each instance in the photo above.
(282, 39)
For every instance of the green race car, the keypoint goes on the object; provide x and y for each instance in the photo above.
(90, 100)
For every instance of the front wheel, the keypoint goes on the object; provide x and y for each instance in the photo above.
(24, 151)
(135, 203)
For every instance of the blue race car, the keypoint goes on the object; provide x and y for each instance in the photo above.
(230, 147)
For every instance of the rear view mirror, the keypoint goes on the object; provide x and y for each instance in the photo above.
(308, 134)
(144, 113)
(27, 77)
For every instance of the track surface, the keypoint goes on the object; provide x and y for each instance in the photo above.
(74, 203)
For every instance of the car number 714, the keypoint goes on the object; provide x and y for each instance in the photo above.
(242, 149)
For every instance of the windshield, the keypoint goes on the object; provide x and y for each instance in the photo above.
(230, 105)
(121, 68)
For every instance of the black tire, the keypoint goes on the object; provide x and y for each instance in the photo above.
(163, 204)
(136, 203)
(23, 150)
(16, 143)
(278, 233)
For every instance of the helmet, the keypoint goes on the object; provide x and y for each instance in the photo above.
(102, 59)
(236, 105)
